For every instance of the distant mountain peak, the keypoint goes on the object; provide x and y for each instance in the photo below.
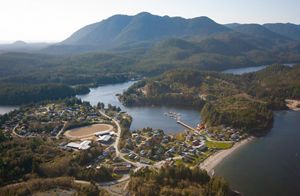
(145, 29)
(19, 43)
(118, 30)
(144, 14)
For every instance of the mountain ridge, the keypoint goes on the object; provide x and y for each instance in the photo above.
(122, 29)
(141, 32)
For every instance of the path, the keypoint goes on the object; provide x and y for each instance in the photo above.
(62, 130)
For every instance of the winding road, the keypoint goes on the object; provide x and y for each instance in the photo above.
(116, 144)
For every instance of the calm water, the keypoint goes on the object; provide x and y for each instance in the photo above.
(142, 116)
(240, 71)
(268, 166)
(6, 109)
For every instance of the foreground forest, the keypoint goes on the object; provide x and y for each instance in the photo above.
(244, 101)
(179, 180)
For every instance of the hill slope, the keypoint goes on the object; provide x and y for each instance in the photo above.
(243, 101)
(288, 30)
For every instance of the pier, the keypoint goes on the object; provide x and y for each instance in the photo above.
(185, 125)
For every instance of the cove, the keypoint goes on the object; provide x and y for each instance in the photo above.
(269, 165)
(142, 116)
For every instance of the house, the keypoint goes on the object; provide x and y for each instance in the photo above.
(201, 147)
(234, 136)
(188, 158)
(121, 170)
(143, 152)
(200, 126)
(132, 156)
(145, 161)
(196, 142)
(124, 164)
(111, 149)
(129, 141)
(62, 144)
(189, 138)
(134, 135)
(105, 154)
(125, 150)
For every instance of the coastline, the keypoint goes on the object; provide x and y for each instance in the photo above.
(212, 161)
(293, 104)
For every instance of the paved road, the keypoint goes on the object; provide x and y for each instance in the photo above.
(123, 179)
(121, 155)
(62, 130)
(15, 133)
(116, 143)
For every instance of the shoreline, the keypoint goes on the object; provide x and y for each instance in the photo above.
(293, 104)
(212, 161)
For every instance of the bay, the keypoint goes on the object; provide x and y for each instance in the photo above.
(269, 165)
(145, 116)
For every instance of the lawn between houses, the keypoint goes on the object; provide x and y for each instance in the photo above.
(219, 144)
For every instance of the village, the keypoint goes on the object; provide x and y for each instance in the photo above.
(48, 119)
(78, 126)
(192, 147)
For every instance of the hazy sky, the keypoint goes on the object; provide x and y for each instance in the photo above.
(55, 20)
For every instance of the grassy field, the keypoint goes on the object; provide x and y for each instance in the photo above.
(219, 144)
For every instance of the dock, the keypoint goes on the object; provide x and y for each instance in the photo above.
(186, 126)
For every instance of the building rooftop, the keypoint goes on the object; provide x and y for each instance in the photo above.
(81, 146)
(104, 138)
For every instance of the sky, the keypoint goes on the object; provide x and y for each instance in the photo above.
(55, 20)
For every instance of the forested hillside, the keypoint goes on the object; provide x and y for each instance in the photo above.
(121, 48)
(179, 180)
(22, 94)
(242, 101)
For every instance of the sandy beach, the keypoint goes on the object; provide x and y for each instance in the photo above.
(211, 162)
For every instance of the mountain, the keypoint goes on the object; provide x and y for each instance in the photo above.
(122, 33)
(262, 37)
(288, 29)
(21, 46)
(232, 25)
(120, 30)
(149, 45)
(256, 30)
(19, 43)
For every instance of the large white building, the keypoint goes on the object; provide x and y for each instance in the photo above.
(104, 138)
(80, 146)
(101, 133)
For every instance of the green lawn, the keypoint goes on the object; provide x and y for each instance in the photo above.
(219, 144)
